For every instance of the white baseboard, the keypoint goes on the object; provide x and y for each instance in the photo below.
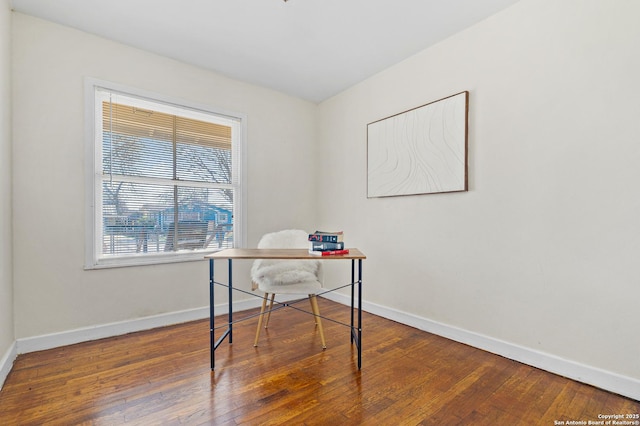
(64, 338)
(6, 363)
(613, 382)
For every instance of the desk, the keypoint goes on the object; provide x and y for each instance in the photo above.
(282, 254)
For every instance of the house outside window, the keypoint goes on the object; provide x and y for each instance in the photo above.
(165, 180)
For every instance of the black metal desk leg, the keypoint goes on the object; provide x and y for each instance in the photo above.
(211, 314)
(359, 313)
(230, 301)
(353, 277)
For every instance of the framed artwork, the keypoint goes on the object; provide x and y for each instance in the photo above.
(420, 151)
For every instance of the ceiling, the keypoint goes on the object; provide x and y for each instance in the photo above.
(312, 49)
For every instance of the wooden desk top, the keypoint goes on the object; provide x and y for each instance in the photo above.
(255, 253)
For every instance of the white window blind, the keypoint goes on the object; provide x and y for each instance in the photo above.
(165, 180)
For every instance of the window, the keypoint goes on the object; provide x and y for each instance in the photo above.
(165, 180)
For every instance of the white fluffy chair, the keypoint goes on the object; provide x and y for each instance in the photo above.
(286, 276)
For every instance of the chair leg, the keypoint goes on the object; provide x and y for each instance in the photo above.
(264, 305)
(316, 313)
(266, 323)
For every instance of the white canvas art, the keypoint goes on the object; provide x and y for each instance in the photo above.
(420, 151)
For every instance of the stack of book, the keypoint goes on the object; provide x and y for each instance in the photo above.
(327, 243)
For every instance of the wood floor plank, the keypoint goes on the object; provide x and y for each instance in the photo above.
(408, 377)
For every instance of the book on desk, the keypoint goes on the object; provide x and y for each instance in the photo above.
(327, 237)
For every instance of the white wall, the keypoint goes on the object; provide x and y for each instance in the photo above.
(6, 281)
(52, 291)
(542, 251)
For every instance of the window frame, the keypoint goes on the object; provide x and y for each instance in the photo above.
(93, 197)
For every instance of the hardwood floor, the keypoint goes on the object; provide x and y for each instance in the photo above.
(408, 377)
